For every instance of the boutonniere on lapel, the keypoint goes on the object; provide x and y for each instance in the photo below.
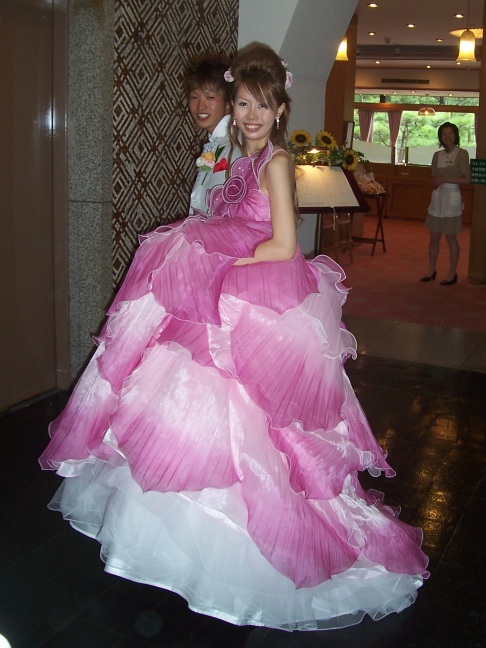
(209, 161)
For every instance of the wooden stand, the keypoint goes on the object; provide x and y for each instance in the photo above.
(333, 196)
(333, 234)
(380, 207)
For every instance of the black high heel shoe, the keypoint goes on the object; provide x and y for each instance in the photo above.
(449, 283)
(429, 277)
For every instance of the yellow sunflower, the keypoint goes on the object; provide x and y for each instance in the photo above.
(300, 137)
(323, 138)
(351, 160)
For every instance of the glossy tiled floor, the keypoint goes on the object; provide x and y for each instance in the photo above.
(432, 345)
(423, 390)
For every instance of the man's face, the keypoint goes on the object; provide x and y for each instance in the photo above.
(207, 107)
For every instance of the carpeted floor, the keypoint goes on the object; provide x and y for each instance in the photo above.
(387, 286)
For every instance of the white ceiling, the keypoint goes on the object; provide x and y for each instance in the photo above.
(398, 46)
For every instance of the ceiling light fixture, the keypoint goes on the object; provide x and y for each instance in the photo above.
(342, 53)
(467, 44)
(426, 111)
(477, 31)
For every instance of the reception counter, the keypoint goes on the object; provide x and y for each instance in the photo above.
(409, 189)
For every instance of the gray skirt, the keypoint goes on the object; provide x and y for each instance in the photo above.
(444, 225)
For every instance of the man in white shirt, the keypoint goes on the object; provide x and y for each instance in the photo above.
(208, 95)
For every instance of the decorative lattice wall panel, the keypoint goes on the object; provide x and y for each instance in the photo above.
(155, 143)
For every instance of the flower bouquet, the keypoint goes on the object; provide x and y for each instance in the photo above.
(324, 150)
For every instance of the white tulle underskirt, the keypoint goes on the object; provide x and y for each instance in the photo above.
(196, 544)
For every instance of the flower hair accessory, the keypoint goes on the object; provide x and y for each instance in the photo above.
(288, 76)
(229, 78)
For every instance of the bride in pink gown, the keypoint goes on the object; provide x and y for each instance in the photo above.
(212, 445)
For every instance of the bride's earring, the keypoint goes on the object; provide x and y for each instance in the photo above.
(234, 121)
(278, 122)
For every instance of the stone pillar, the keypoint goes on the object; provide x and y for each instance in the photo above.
(477, 254)
(90, 128)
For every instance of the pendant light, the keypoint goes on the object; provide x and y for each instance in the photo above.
(467, 43)
(426, 111)
(477, 31)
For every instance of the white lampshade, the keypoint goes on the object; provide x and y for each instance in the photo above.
(477, 31)
(467, 45)
(426, 111)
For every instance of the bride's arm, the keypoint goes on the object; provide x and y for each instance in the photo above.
(278, 181)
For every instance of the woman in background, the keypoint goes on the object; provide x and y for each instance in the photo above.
(450, 169)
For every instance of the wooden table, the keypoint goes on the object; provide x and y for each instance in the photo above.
(381, 210)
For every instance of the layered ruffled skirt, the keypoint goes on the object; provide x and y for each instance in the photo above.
(212, 444)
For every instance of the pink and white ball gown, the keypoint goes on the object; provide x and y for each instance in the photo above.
(212, 445)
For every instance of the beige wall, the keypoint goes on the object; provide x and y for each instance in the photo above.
(33, 285)
(459, 80)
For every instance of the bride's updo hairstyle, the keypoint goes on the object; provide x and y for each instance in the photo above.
(263, 73)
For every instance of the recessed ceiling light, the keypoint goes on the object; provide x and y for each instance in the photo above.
(377, 62)
(439, 40)
(459, 16)
(371, 33)
(458, 62)
(373, 5)
(428, 67)
(410, 25)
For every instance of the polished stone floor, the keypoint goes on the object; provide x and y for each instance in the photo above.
(424, 391)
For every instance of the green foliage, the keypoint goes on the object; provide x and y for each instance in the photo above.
(420, 131)
(415, 130)
(442, 100)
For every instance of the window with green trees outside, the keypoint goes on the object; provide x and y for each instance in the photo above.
(417, 135)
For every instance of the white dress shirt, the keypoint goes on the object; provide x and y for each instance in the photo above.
(207, 179)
